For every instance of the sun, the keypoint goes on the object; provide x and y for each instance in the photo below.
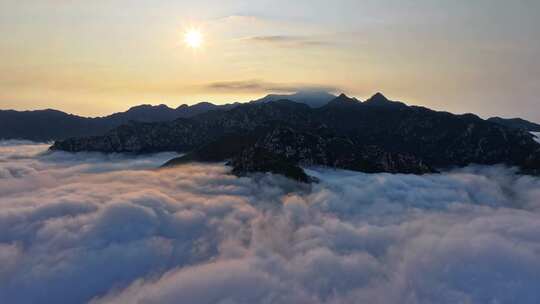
(193, 38)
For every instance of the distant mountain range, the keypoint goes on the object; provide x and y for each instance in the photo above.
(281, 136)
(47, 125)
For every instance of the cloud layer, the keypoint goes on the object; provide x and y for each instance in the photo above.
(109, 229)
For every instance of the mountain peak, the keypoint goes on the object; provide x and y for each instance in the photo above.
(342, 99)
(144, 107)
(204, 103)
(312, 98)
(378, 98)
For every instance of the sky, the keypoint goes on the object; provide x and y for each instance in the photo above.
(97, 57)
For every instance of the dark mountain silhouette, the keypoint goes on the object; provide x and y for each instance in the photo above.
(341, 101)
(46, 125)
(378, 135)
(379, 100)
(516, 123)
(314, 99)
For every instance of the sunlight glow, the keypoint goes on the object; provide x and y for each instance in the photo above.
(193, 38)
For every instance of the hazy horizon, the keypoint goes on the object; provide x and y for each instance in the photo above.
(247, 101)
(97, 58)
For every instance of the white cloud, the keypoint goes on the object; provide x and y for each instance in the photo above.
(81, 227)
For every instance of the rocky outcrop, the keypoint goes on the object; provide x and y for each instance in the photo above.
(137, 137)
(320, 147)
(255, 160)
(285, 149)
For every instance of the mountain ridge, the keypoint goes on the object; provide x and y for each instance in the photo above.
(313, 98)
(518, 123)
(281, 136)
(49, 124)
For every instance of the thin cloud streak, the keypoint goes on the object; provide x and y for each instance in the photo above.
(257, 86)
(287, 41)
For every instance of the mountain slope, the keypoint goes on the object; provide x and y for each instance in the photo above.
(516, 123)
(45, 125)
(373, 136)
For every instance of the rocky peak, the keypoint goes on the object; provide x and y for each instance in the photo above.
(378, 98)
(148, 107)
(312, 98)
(381, 101)
(342, 99)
